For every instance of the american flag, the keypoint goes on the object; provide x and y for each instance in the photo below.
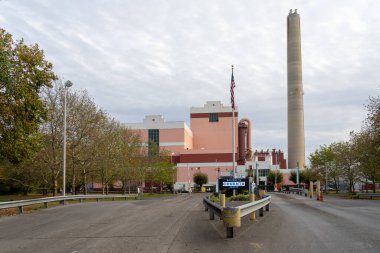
(232, 89)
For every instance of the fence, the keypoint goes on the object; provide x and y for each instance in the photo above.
(62, 199)
(231, 216)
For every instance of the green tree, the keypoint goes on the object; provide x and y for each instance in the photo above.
(200, 178)
(23, 72)
(348, 162)
(272, 177)
(293, 176)
(324, 162)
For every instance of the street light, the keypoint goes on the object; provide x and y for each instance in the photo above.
(257, 175)
(67, 85)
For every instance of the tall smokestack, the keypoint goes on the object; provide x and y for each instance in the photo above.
(296, 136)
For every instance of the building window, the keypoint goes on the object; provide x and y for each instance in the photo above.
(154, 142)
(263, 173)
(213, 117)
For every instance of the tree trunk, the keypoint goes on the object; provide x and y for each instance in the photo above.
(129, 186)
(336, 185)
(25, 190)
(73, 180)
(103, 186)
(366, 185)
(374, 184)
(84, 182)
(54, 183)
(124, 186)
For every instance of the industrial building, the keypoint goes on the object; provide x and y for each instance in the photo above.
(206, 145)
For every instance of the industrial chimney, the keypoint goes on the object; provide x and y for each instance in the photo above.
(296, 136)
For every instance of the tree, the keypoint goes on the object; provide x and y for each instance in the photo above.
(130, 158)
(23, 72)
(370, 142)
(272, 177)
(164, 168)
(293, 176)
(200, 178)
(348, 163)
(324, 163)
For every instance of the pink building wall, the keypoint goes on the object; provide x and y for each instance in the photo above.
(213, 135)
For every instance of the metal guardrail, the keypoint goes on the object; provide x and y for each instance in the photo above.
(62, 199)
(254, 206)
(369, 195)
(231, 216)
(209, 205)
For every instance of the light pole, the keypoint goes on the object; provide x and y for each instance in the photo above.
(298, 175)
(257, 175)
(275, 175)
(67, 85)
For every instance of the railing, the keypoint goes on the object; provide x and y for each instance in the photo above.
(62, 199)
(231, 216)
(368, 195)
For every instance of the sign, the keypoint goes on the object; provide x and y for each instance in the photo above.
(233, 183)
(230, 184)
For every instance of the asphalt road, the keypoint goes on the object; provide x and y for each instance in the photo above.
(179, 224)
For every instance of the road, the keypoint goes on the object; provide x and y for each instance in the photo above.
(179, 224)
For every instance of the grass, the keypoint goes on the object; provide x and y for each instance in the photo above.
(239, 197)
(157, 195)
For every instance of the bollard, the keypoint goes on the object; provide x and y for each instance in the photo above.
(252, 199)
(318, 189)
(21, 209)
(230, 232)
(261, 212)
(321, 197)
(222, 198)
(231, 218)
(311, 186)
(211, 213)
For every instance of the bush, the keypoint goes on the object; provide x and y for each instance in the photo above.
(200, 178)
(240, 197)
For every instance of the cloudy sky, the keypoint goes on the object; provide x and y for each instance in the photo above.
(162, 57)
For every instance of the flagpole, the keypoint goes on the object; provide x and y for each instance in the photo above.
(233, 141)
(233, 121)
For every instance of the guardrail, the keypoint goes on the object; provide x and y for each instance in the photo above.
(62, 199)
(231, 216)
(370, 195)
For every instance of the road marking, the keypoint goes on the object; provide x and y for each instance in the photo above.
(257, 245)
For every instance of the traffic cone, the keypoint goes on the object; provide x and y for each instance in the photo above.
(321, 196)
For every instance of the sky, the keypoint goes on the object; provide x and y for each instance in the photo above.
(150, 57)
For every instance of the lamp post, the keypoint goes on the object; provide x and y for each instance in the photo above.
(298, 175)
(257, 175)
(67, 85)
